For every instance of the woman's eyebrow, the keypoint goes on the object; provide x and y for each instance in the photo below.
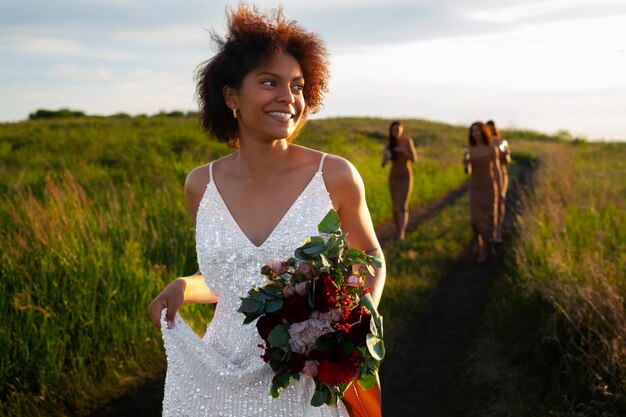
(273, 74)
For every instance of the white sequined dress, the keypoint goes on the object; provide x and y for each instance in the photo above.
(222, 374)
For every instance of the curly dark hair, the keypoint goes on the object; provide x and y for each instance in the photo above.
(252, 38)
(486, 133)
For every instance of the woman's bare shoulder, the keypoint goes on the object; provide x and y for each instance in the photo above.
(195, 186)
(339, 168)
(343, 181)
(197, 179)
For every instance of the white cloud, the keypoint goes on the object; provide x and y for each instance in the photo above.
(82, 73)
(523, 10)
(168, 35)
(41, 45)
(545, 76)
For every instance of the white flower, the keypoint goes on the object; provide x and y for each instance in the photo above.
(303, 335)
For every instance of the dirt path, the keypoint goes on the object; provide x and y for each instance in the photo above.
(416, 378)
(420, 378)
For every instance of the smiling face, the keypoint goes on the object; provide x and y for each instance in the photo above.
(269, 104)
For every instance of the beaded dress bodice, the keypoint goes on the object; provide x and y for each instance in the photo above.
(222, 374)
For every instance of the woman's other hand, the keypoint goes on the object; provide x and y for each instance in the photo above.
(172, 297)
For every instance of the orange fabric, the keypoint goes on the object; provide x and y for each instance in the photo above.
(361, 403)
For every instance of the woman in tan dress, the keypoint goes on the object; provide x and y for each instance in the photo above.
(401, 152)
(503, 176)
(482, 163)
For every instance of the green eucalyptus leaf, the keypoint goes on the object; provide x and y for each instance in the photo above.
(375, 346)
(300, 254)
(250, 317)
(272, 290)
(275, 391)
(250, 305)
(281, 379)
(375, 260)
(330, 223)
(374, 327)
(313, 249)
(318, 398)
(260, 296)
(279, 337)
(355, 255)
(371, 363)
(272, 306)
(367, 381)
(325, 261)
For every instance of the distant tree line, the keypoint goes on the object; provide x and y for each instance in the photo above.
(55, 114)
(67, 113)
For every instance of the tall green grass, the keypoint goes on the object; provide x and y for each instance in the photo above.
(94, 224)
(560, 318)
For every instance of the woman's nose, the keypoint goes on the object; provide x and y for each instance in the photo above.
(286, 95)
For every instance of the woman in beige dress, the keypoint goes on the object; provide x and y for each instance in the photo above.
(503, 176)
(482, 164)
(400, 151)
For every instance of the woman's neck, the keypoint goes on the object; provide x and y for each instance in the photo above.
(258, 159)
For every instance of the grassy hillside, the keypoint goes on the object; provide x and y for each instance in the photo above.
(94, 224)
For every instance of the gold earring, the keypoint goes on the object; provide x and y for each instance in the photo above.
(235, 113)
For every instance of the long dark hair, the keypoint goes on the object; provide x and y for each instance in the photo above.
(486, 134)
(495, 132)
(393, 141)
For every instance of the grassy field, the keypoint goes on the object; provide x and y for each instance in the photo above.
(94, 224)
(554, 339)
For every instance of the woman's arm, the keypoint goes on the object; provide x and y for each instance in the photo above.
(347, 193)
(507, 152)
(386, 156)
(495, 159)
(190, 289)
(467, 165)
(411, 154)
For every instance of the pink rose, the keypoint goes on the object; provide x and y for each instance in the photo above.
(353, 281)
(306, 269)
(278, 266)
(310, 368)
(301, 288)
(289, 291)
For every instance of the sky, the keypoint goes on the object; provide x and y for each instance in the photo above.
(544, 65)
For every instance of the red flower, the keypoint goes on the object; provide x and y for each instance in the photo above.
(266, 323)
(326, 293)
(296, 362)
(295, 309)
(336, 367)
(357, 323)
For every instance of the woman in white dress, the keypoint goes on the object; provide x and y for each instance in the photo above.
(253, 205)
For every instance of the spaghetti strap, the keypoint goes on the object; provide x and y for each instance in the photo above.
(319, 169)
(211, 172)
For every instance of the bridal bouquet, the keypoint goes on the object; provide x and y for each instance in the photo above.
(316, 317)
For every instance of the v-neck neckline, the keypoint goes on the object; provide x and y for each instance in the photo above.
(282, 219)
